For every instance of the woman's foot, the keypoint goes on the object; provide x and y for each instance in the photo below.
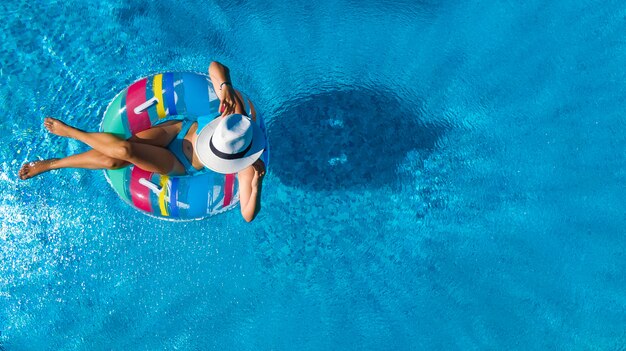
(57, 127)
(34, 168)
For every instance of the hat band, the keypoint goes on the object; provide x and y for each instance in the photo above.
(226, 156)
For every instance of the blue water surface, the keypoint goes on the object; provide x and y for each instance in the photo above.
(444, 175)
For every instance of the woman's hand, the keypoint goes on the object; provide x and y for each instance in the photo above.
(230, 101)
(259, 172)
(259, 167)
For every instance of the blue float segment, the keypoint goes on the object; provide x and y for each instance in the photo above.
(174, 213)
(196, 94)
(168, 94)
(197, 195)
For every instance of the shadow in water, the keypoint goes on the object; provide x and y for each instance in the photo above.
(347, 139)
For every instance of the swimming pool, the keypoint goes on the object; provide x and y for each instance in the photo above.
(445, 175)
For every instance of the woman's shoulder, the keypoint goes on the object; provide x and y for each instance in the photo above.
(246, 173)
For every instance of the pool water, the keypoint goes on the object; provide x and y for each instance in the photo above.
(444, 175)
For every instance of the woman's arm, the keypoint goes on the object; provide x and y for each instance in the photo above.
(220, 77)
(250, 185)
(253, 207)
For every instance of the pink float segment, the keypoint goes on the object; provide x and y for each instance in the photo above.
(229, 182)
(136, 96)
(140, 194)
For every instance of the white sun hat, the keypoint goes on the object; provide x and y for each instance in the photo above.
(229, 144)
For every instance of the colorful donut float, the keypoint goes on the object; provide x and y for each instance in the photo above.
(153, 100)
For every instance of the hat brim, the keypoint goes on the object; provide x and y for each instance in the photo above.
(220, 165)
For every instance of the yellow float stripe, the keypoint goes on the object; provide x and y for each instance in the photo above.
(162, 205)
(157, 88)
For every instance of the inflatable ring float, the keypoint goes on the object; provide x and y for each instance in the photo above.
(153, 100)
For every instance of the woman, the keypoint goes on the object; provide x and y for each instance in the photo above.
(230, 144)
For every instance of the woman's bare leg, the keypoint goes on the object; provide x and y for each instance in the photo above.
(149, 157)
(91, 159)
